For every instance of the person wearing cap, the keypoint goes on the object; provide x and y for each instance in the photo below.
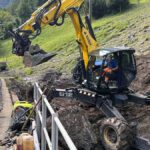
(111, 69)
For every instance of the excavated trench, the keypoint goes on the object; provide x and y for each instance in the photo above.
(82, 121)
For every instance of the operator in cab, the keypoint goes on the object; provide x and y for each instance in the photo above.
(110, 72)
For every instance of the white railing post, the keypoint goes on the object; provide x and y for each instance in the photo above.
(41, 126)
(44, 117)
(38, 123)
(54, 135)
(34, 92)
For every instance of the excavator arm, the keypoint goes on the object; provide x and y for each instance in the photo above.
(50, 14)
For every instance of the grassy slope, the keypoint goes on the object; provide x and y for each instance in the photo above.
(127, 28)
(136, 1)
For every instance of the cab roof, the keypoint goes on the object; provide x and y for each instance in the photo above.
(107, 51)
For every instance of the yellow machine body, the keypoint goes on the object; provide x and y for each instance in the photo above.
(23, 104)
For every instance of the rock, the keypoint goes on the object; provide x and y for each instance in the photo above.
(79, 128)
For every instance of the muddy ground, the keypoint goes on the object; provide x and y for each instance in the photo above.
(82, 121)
(141, 84)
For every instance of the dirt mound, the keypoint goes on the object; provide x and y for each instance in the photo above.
(141, 84)
(142, 81)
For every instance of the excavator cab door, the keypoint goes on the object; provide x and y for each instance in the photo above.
(94, 71)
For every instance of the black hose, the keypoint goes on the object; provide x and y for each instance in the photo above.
(55, 22)
(39, 18)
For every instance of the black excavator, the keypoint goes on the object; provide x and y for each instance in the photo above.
(115, 132)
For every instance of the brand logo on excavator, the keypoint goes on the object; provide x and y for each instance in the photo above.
(88, 39)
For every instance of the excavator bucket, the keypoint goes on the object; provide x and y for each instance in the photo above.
(36, 56)
(32, 55)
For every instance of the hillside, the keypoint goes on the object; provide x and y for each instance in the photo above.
(4, 3)
(80, 105)
(130, 28)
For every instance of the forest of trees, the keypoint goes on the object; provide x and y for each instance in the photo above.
(15, 14)
(103, 7)
(7, 21)
(21, 10)
(24, 8)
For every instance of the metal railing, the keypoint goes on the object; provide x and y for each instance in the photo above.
(41, 126)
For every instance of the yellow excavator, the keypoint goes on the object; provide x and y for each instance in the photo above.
(89, 72)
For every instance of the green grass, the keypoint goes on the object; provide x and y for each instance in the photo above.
(55, 38)
(62, 39)
(13, 61)
(28, 71)
(140, 1)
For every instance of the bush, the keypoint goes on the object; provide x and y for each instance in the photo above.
(7, 22)
(28, 71)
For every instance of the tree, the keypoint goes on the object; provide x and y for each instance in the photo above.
(99, 8)
(24, 10)
(102, 7)
(6, 22)
(19, 7)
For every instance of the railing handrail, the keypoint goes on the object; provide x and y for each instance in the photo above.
(56, 123)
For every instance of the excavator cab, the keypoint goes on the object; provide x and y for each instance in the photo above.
(118, 79)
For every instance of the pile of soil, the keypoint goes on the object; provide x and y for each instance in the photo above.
(141, 84)
(142, 81)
